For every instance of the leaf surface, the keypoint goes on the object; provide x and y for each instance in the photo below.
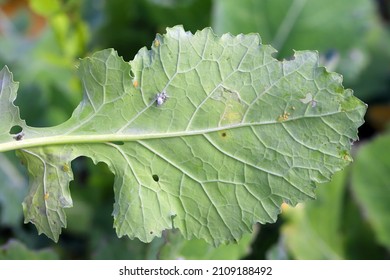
(228, 144)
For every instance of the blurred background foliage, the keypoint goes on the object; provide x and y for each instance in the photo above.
(41, 42)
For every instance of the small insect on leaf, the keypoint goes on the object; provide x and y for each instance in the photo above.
(46, 196)
(135, 83)
(19, 136)
(161, 98)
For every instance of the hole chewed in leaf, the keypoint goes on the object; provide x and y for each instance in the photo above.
(155, 178)
(173, 216)
(223, 134)
(119, 143)
(15, 129)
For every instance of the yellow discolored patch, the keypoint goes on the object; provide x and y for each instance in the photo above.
(284, 207)
(345, 156)
(229, 104)
(65, 167)
(232, 117)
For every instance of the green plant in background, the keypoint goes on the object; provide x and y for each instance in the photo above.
(348, 34)
(14, 250)
(49, 97)
(357, 50)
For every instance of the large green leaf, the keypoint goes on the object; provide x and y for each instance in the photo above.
(370, 184)
(233, 135)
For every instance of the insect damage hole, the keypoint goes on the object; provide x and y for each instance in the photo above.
(15, 129)
(119, 143)
(155, 177)
(173, 216)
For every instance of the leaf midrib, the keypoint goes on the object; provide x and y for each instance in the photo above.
(104, 138)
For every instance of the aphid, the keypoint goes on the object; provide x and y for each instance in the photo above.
(156, 43)
(46, 196)
(161, 98)
(135, 83)
(19, 136)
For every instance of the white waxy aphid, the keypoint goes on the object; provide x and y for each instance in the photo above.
(19, 136)
(161, 98)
